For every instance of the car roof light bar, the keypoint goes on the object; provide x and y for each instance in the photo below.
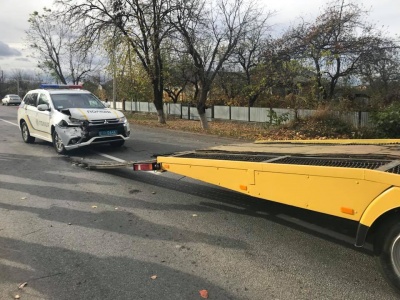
(61, 86)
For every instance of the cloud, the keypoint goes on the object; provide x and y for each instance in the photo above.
(6, 50)
(23, 59)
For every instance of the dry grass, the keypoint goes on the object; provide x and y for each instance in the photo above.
(312, 129)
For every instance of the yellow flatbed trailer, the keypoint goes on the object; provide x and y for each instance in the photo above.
(358, 180)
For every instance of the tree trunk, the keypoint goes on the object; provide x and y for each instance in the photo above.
(203, 121)
(161, 116)
(158, 103)
(252, 100)
(320, 88)
(201, 107)
(332, 86)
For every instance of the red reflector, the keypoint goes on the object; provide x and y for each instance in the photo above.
(147, 166)
(143, 167)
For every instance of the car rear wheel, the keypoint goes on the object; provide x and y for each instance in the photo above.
(117, 144)
(26, 136)
(58, 144)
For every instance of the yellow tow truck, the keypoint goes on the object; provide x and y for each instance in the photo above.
(358, 180)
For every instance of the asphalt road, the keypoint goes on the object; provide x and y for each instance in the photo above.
(70, 233)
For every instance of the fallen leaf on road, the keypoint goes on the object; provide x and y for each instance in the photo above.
(23, 198)
(116, 208)
(17, 297)
(194, 215)
(204, 294)
(153, 193)
(94, 206)
(153, 277)
(22, 285)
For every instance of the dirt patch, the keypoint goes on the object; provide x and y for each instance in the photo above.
(313, 128)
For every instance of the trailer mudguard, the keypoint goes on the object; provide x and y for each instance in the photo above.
(386, 201)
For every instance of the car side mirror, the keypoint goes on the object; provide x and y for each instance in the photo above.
(106, 104)
(43, 107)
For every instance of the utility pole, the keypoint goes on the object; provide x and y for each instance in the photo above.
(114, 71)
(114, 81)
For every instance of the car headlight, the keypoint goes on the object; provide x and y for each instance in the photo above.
(122, 120)
(76, 122)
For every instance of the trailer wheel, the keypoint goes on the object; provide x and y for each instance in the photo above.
(387, 247)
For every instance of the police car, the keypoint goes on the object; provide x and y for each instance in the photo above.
(70, 117)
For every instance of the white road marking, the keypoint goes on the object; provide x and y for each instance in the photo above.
(124, 161)
(110, 157)
(9, 122)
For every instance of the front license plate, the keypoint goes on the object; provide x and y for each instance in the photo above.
(108, 132)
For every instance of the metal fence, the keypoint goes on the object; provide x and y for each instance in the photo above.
(246, 114)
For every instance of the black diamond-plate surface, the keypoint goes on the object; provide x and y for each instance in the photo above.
(371, 164)
(332, 162)
(226, 156)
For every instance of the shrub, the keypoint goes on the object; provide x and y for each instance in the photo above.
(387, 121)
(323, 124)
(275, 119)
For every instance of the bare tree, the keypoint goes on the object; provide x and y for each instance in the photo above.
(210, 35)
(380, 70)
(81, 60)
(249, 55)
(334, 43)
(133, 81)
(178, 71)
(228, 86)
(47, 40)
(56, 48)
(141, 22)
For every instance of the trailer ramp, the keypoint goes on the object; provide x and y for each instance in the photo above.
(339, 179)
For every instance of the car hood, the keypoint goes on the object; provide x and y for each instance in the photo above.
(94, 113)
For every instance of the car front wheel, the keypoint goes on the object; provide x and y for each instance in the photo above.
(26, 136)
(58, 144)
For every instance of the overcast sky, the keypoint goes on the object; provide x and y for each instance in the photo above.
(15, 13)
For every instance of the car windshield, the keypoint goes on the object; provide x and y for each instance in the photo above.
(63, 101)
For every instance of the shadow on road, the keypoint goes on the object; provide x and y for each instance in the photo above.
(59, 273)
(330, 228)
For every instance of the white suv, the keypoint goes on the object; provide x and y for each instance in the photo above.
(70, 118)
(11, 99)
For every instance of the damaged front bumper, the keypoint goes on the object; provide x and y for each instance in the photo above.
(79, 136)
